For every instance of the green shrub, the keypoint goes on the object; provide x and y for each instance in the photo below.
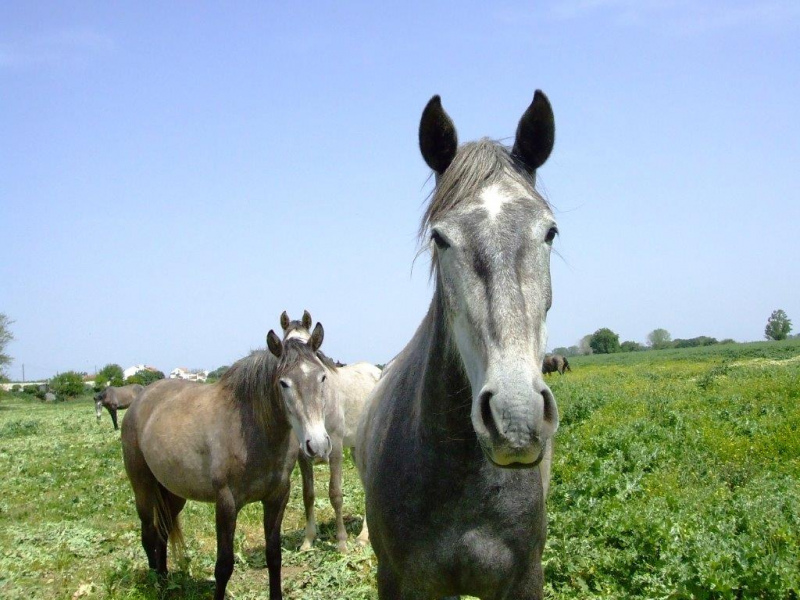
(67, 385)
(144, 377)
(111, 374)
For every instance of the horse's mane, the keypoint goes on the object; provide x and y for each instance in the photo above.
(250, 381)
(475, 166)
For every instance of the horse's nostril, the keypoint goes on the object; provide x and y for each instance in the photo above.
(486, 413)
(309, 451)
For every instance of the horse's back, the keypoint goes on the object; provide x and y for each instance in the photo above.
(356, 382)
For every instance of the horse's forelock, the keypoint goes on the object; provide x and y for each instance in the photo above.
(475, 166)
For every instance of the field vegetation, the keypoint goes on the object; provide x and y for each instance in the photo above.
(677, 475)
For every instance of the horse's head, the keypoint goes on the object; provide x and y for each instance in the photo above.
(301, 380)
(491, 235)
(98, 403)
(296, 329)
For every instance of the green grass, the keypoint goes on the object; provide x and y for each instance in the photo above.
(677, 475)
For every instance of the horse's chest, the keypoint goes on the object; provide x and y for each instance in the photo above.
(466, 534)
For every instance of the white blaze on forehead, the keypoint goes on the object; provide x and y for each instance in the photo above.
(305, 368)
(493, 198)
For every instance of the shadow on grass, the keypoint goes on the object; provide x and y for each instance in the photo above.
(148, 585)
(255, 557)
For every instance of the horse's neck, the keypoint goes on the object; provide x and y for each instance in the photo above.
(443, 399)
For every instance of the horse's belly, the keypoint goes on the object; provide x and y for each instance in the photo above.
(180, 461)
(184, 478)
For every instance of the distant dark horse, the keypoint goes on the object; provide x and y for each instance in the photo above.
(115, 398)
(229, 443)
(555, 363)
(454, 448)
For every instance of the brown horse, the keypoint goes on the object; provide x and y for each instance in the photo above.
(229, 443)
(115, 398)
(555, 363)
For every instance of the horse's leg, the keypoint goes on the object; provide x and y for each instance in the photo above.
(307, 471)
(528, 586)
(335, 493)
(363, 537)
(168, 524)
(145, 491)
(146, 509)
(390, 587)
(226, 527)
(273, 518)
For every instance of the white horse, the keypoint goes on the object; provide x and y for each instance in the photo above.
(350, 386)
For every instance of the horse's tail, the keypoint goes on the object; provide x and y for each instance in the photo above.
(169, 525)
(566, 365)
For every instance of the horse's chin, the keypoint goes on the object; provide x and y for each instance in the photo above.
(508, 462)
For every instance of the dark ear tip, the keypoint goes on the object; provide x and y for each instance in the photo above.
(540, 97)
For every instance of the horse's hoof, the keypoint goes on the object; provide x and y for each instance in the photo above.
(362, 542)
(306, 546)
(342, 547)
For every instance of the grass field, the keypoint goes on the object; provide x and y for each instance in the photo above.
(677, 475)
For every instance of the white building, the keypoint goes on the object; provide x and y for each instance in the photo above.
(188, 374)
(131, 371)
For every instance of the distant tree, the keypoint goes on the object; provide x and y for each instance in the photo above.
(67, 385)
(727, 341)
(629, 346)
(702, 340)
(144, 377)
(584, 346)
(5, 337)
(562, 350)
(658, 339)
(778, 326)
(604, 341)
(216, 374)
(111, 374)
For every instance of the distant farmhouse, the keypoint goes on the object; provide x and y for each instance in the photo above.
(131, 371)
(188, 374)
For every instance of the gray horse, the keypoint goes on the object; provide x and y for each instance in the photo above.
(454, 448)
(116, 398)
(555, 363)
(350, 386)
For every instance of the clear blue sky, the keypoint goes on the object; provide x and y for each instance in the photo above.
(174, 175)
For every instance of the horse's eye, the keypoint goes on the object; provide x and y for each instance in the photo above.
(284, 385)
(324, 377)
(551, 234)
(440, 242)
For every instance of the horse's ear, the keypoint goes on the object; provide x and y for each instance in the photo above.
(536, 133)
(274, 344)
(316, 337)
(438, 141)
(284, 320)
(307, 321)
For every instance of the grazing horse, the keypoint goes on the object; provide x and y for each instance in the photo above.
(229, 443)
(454, 447)
(350, 386)
(115, 398)
(555, 363)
